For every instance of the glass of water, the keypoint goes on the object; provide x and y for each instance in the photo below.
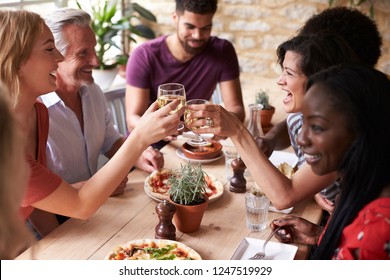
(257, 206)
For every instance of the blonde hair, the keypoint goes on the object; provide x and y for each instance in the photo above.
(19, 31)
(14, 234)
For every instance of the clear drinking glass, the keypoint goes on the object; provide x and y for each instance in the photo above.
(197, 140)
(257, 207)
(230, 155)
(169, 92)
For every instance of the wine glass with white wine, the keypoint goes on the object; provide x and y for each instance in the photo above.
(169, 92)
(197, 140)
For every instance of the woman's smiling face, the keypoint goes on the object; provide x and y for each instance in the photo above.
(325, 135)
(37, 74)
(292, 81)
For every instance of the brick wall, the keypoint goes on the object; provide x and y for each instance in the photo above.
(257, 27)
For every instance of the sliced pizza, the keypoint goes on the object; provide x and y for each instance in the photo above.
(156, 185)
(214, 187)
(153, 249)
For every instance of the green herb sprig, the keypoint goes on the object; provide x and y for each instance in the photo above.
(161, 253)
(188, 185)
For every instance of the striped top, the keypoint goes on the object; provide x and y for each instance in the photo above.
(294, 126)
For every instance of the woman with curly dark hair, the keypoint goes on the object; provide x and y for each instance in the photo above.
(346, 129)
(358, 30)
(299, 58)
(362, 36)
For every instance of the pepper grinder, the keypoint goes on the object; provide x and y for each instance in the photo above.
(238, 181)
(165, 228)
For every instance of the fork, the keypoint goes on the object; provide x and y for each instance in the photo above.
(261, 255)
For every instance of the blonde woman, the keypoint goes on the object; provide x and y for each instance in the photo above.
(14, 235)
(28, 63)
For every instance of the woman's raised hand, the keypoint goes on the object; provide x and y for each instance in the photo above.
(223, 122)
(155, 124)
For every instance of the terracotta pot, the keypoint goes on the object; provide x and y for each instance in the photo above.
(266, 117)
(188, 218)
(122, 71)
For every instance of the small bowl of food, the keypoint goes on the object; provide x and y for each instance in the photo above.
(213, 150)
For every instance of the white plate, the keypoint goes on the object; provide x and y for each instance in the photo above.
(218, 184)
(284, 211)
(274, 250)
(190, 134)
(180, 154)
(278, 157)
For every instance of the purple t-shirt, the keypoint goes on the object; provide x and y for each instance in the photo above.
(152, 64)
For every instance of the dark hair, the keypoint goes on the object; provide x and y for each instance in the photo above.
(358, 30)
(196, 6)
(318, 51)
(364, 171)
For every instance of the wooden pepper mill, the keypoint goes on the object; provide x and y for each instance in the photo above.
(238, 181)
(165, 229)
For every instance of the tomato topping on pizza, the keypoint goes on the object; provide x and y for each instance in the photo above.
(157, 185)
(211, 190)
(159, 180)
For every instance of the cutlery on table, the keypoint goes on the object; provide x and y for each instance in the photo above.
(261, 254)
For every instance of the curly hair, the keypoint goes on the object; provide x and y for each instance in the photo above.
(196, 6)
(357, 29)
(364, 169)
(317, 52)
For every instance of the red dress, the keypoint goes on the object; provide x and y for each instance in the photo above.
(42, 181)
(369, 233)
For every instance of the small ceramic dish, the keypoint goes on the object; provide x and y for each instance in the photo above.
(204, 152)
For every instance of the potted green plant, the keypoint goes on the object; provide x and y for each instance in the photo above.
(268, 110)
(113, 22)
(187, 193)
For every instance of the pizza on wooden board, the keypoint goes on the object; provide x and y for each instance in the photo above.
(156, 185)
(153, 249)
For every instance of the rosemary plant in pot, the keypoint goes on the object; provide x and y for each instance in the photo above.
(267, 112)
(187, 193)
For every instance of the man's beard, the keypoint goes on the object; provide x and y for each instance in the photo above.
(190, 50)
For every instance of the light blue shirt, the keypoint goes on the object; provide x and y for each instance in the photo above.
(70, 153)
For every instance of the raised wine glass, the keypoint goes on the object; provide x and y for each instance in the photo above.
(169, 92)
(197, 140)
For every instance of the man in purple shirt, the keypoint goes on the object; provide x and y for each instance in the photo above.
(191, 57)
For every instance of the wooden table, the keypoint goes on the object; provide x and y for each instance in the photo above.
(132, 216)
